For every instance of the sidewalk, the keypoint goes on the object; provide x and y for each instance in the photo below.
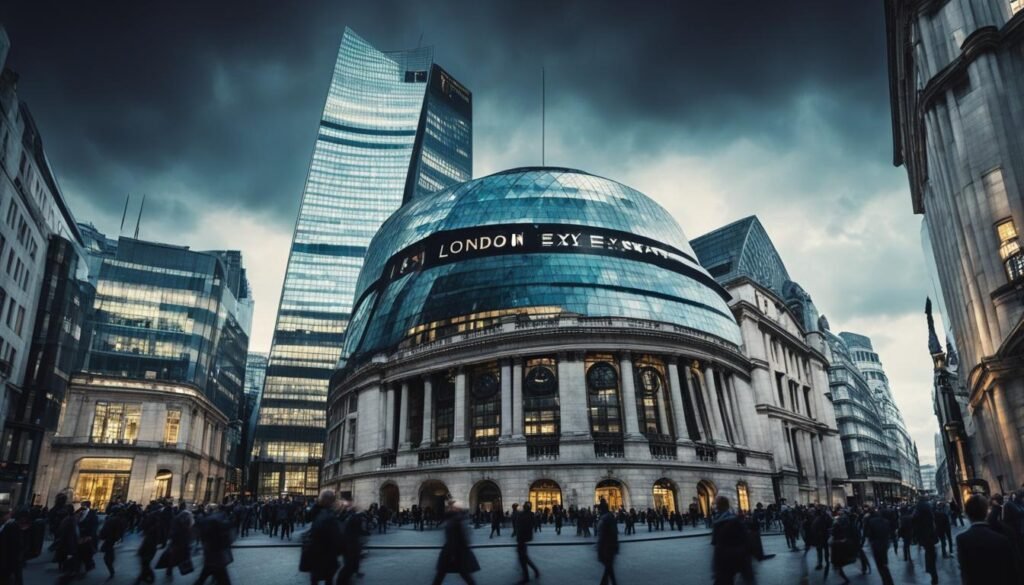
(407, 538)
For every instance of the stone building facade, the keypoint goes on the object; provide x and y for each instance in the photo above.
(124, 439)
(546, 335)
(956, 70)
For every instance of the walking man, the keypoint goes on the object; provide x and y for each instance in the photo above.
(732, 550)
(876, 532)
(456, 556)
(607, 543)
(524, 534)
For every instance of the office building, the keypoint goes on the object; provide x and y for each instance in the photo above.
(150, 415)
(395, 127)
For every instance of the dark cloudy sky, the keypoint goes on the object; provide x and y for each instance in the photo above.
(716, 109)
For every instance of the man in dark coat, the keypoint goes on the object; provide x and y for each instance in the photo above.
(351, 541)
(497, 516)
(113, 530)
(323, 541)
(179, 550)
(14, 541)
(152, 535)
(456, 556)
(524, 534)
(877, 532)
(607, 543)
(731, 542)
(944, 530)
(215, 533)
(926, 536)
(67, 548)
(986, 556)
(88, 533)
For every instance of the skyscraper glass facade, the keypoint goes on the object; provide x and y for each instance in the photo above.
(384, 138)
(167, 313)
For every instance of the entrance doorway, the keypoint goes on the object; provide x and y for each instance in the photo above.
(389, 497)
(433, 496)
(162, 488)
(486, 495)
(545, 493)
(706, 497)
(665, 495)
(102, 480)
(611, 491)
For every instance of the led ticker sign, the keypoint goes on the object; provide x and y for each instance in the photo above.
(451, 246)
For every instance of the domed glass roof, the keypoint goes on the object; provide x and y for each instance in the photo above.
(529, 241)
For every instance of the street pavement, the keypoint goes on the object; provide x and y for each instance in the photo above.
(404, 556)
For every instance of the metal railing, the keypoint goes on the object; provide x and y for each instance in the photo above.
(483, 453)
(662, 447)
(609, 446)
(541, 448)
(388, 461)
(706, 453)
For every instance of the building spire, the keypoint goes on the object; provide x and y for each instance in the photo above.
(934, 347)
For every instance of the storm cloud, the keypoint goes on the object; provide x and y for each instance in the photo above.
(716, 109)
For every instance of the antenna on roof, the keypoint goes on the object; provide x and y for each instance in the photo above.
(419, 43)
(124, 213)
(542, 121)
(139, 220)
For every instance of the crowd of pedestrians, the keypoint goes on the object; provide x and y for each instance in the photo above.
(989, 551)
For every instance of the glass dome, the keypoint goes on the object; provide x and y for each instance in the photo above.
(570, 243)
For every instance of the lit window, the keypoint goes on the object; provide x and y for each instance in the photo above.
(1015, 6)
(1009, 248)
(172, 426)
(742, 497)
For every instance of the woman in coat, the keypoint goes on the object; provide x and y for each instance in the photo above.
(456, 556)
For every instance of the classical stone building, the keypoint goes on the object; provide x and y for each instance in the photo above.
(957, 91)
(132, 439)
(547, 335)
(788, 356)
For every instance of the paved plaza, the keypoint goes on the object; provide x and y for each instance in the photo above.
(404, 556)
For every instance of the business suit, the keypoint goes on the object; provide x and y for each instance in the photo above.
(986, 557)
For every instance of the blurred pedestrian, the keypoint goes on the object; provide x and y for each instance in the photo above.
(607, 543)
(732, 551)
(456, 556)
(524, 534)
(986, 556)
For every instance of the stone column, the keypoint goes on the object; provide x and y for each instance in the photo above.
(389, 418)
(368, 429)
(691, 392)
(460, 407)
(628, 396)
(675, 390)
(730, 420)
(662, 396)
(506, 400)
(1006, 426)
(572, 396)
(517, 398)
(711, 395)
(428, 413)
(403, 419)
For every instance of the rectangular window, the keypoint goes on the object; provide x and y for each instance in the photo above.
(20, 322)
(172, 426)
(778, 386)
(116, 423)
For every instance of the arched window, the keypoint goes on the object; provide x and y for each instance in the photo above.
(742, 497)
(603, 395)
(541, 416)
(650, 396)
(545, 493)
(485, 404)
(444, 408)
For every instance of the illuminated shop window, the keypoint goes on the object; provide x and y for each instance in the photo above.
(1009, 249)
(116, 423)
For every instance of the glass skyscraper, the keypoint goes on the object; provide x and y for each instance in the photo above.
(395, 126)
